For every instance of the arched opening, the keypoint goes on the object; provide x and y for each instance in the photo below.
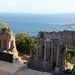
(5, 44)
(0, 44)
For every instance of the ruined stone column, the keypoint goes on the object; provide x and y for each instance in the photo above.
(36, 57)
(45, 52)
(51, 52)
(57, 57)
(45, 55)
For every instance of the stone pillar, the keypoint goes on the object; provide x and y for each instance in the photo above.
(57, 57)
(45, 52)
(36, 57)
(45, 55)
(51, 53)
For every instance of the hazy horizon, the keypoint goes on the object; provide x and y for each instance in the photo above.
(33, 23)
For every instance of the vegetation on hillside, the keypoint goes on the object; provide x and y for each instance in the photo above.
(70, 55)
(3, 25)
(25, 43)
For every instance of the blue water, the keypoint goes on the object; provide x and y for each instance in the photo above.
(33, 23)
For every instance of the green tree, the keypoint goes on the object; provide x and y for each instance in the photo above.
(69, 55)
(3, 25)
(25, 43)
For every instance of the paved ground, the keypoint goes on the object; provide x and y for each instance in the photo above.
(32, 72)
(11, 69)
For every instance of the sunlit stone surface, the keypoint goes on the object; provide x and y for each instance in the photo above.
(7, 42)
(7, 68)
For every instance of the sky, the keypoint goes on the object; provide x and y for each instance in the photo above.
(37, 6)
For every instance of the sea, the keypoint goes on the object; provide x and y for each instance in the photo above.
(33, 23)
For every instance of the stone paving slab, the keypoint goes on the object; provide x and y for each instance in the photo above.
(32, 72)
(7, 68)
